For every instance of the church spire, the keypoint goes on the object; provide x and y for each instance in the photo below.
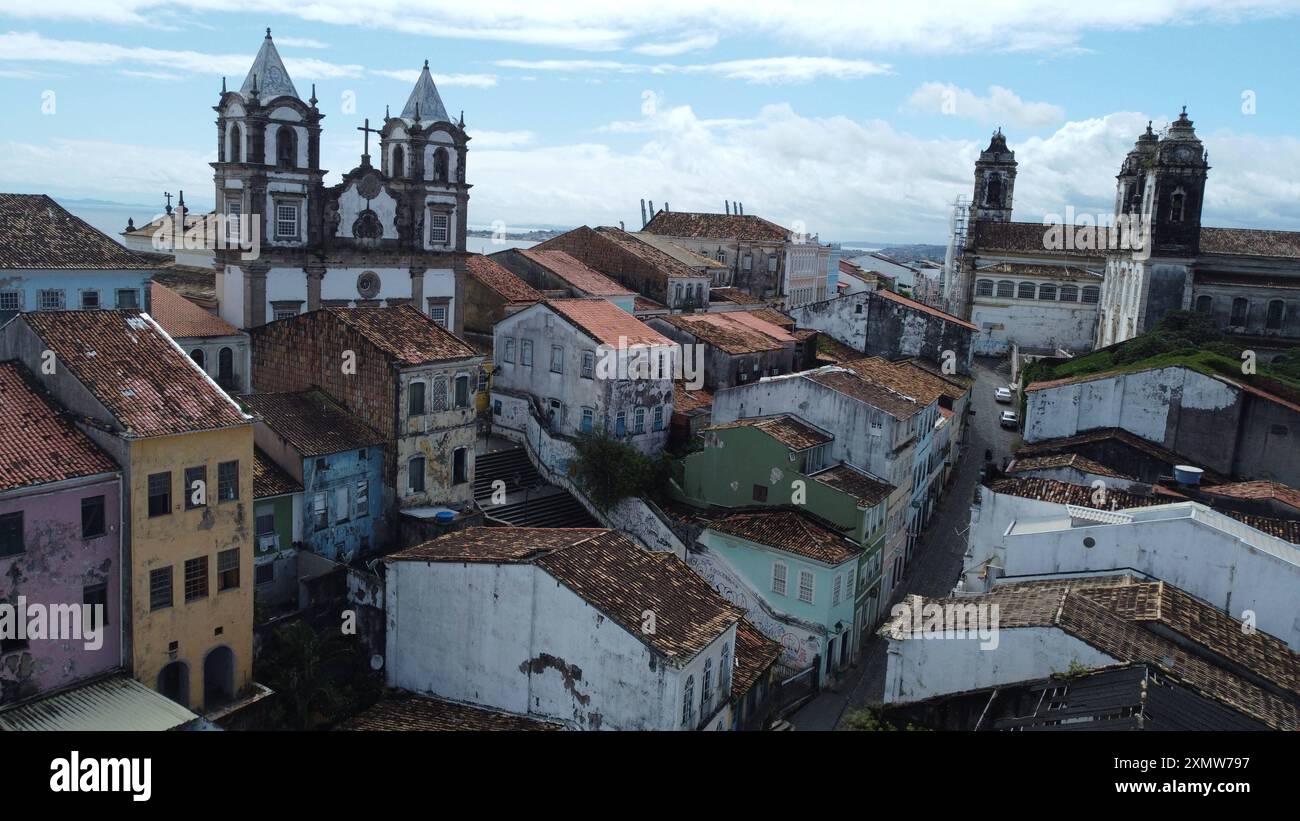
(424, 102)
(268, 75)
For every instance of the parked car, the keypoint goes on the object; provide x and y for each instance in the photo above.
(1009, 419)
(1003, 395)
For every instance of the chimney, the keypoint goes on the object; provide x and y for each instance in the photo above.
(643, 220)
(727, 204)
(742, 209)
(666, 208)
(652, 208)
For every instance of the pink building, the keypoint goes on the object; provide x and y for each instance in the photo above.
(60, 544)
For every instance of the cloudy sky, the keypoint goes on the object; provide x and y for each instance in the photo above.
(861, 120)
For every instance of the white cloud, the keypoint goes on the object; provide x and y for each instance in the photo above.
(671, 49)
(150, 75)
(300, 42)
(410, 75)
(501, 139)
(765, 70)
(1002, 106)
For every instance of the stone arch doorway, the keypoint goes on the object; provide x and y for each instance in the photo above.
(174, 682)
(218, 677)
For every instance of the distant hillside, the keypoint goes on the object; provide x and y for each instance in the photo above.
(915, 253)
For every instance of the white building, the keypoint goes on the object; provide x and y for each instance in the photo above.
(219, 348)
(573, 363)
(580, 626)
(1035, 307)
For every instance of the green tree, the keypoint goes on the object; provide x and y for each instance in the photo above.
(610, 470)
(317, 679)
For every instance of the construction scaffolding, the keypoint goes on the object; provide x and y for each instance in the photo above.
(953, 284)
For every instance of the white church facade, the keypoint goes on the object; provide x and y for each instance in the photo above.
(390, 233)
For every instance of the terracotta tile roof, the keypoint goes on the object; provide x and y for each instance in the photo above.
(641, 304)
(834, 351)
(755, 654)
(1119, 436)
(195, 284)
(269, 479)
(960, 382)
(181, 318)
(664, 265)
(1258, 490)
(923, 308)
(495, 276)
(901, 377)
(1024, 269)
(847, 382)
(408, 711)
(582, 277)
(770, 315)
(1121, 622)
(136, 371)
(686, 401)
(791, 531)
(732, 333)
(495, 545)
(1026, 238)
(311, 422)
(38, 442)
(681, 253)
(723, 226)
(1285, 529)
(39, 233)
(1250, 242)
(404, 333)
(605, 322)
(729, 294)
(618, 578)
(868, 489)
(1065, 493)
(790, 431)
(1064, 460)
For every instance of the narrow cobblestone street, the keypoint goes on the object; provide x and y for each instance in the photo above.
(938, 557)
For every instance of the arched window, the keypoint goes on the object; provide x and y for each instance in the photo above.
(415, 474)
(993, 192)
(1025, 290)
(1273, 319)
(1006, 288)
(688, 703)
(1240, 309)
(1204, 303)
(984, 287)
(236, 143)
(440, 165)
(1091, 294)
(286, 147)
(1047, 292)
(706, 692)
(1069, 293)
(197, 356)
(399, 162)
(724, 671)
(226, 368)
(1177, 206)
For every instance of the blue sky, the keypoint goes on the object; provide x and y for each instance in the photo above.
(860, 120)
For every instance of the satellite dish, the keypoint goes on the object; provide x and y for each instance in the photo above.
(376, 662)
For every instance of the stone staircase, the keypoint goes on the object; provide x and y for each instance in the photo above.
(530, 500)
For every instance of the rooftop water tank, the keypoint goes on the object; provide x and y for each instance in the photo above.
(1188, 475)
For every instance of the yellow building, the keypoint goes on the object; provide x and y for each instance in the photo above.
(187, 452)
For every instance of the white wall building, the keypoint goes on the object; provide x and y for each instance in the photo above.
(1035, 307)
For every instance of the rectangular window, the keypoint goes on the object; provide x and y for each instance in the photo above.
(286, 220)
(96, 594)
(557, 359)
(760, 493)
(228, 569)
(659, 417)
(233, 211)
(264, 574)
(160, 588)
(196, 487)
(92, 517)
(11, 534)
(11, 300)
(747, 262)
(848, 586)
(438, 229)
(264, 525)
(415, 474)
(438, 400)
(771, 263)
(778, 578)
(342, 504)
(462, 391)
(620, 424)
(588, 365)
(196, 578)
(128, 299)
(806, 586)
(438, 313)
(526, 353)
(508, 355)
(319, 514)
(50, 299)
(836, 590)
(227, 481)
(160, 494)
(90, 300)
(459, 466)
(415, 399)
(588, 418)
(363, 498)
(285, 313)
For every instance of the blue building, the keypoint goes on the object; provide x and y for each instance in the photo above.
(51, 260)
(338, 459)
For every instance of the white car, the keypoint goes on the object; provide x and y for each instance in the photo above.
(1002, 395)
(1009, 419)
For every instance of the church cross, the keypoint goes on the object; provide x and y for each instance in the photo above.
(367, 129)
(168, 195)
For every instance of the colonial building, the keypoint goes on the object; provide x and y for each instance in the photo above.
(219, 348)
(492, 293)
(574, 364)
(60, 540)
(186, 450)
(621, 256)
(392, 232)
(559, 274)
(400, 373)
(53, 261)
(739, 347)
